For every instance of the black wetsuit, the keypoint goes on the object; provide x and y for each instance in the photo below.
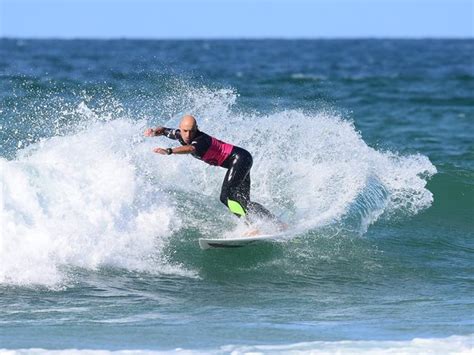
(235, 192)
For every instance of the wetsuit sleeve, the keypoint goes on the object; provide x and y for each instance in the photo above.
(172, 133)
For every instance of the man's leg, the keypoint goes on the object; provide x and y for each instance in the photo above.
(238, 197)
(235, 193)
(233, 188)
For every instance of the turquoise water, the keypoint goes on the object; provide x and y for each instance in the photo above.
(365, 147)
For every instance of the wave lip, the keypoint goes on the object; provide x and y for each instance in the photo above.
(321, 168)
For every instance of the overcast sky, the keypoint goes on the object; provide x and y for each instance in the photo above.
(236, 18)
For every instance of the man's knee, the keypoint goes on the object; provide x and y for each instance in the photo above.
(236, 207)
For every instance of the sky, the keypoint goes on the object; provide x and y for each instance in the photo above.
(181, 19)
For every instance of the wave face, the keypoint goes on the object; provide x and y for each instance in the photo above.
(98, 196)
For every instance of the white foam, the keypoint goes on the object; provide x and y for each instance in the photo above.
(99, 196)
(459, 345)
(442, 346)
(80, 201)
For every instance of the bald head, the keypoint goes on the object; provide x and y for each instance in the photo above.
(188, 121)
(188, 128)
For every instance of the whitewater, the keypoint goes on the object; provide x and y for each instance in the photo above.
(98, 196)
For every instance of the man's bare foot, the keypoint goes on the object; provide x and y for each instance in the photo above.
(252, 233)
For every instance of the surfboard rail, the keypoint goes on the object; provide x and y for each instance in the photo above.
(237, 242)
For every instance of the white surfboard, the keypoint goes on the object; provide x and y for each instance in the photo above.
(237, 242)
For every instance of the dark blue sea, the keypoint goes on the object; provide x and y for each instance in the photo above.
(364, 147)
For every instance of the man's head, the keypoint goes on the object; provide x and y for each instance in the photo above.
(188, 128)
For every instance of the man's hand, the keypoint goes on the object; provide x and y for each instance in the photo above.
(160, 151)
(152, 132)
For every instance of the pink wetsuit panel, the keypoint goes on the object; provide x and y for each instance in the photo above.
(217, 152)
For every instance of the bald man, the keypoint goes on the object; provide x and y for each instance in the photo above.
(235, 193)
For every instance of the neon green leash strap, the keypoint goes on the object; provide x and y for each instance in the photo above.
(235, 207)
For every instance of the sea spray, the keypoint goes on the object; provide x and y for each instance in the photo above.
(99, 196)
(78, 201)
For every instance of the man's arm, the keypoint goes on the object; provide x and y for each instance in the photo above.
(185, 149)
(172, 134)
(161, 131)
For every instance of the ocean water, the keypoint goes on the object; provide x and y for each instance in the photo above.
(364, 147)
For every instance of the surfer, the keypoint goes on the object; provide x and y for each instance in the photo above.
(235, 192)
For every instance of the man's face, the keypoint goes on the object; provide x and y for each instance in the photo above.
(188, 131)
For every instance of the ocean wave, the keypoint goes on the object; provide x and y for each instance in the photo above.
(97, 196)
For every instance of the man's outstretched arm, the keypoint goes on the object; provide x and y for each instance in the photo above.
(170, 133)
(161, 131)
(185, 149)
